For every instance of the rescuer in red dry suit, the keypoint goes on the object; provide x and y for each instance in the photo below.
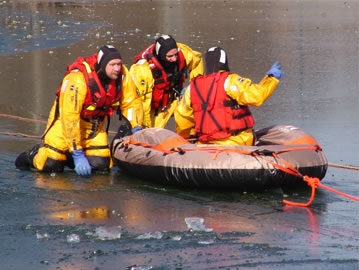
(214, 108)
(76, 135)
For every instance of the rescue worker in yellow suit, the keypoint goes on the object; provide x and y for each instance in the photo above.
(214, 109)
(76, 135)
(159, 73)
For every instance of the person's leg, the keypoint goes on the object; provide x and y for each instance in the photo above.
(52, 156)
(49, 159)
(24, 160)
(98, 152)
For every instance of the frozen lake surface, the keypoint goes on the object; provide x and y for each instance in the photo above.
(114, 221)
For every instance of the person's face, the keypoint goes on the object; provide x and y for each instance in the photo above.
(113, 69)
(172, 55)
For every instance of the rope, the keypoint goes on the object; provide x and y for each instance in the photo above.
(313, 182)
(20, 134)
(22, 118)
(28, 120)
(343, 166)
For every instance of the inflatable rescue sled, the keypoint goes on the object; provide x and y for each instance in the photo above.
(281, 157)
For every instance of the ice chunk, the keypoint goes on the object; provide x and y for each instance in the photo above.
(196, 224)
(208, 242)
(73, 238)
(108, 233)
(40, 236)
(176, 238)
(150, 235)
(135, 267)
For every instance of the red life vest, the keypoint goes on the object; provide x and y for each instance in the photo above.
(98, 101)
(216, 115)
(161, 92)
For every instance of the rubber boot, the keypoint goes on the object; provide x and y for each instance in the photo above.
(24, 160)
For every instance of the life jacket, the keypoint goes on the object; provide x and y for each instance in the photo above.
(98, 101)
(216, 115)
(161, 92)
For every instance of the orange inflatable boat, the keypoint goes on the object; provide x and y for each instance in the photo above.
(281, 157)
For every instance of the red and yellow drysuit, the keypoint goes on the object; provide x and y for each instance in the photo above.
(156, 89)
(79, 116)
(215, 108)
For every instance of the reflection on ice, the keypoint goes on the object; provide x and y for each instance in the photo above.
(196, 224)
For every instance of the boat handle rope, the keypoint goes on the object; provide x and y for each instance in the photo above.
(313, 182)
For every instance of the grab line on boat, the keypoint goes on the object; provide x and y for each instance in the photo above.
(113, 132)
(313, 182)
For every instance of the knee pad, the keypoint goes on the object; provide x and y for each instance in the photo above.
(25, 159)
(100, 163)
(52, 165)
(48, 160)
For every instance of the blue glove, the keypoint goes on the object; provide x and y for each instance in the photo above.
(82, 165)
(275, 71)
(183, 90)
(135, 129)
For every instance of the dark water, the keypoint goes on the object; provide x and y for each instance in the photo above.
(69, 222)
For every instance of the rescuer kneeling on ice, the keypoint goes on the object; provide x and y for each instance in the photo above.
(76, 134)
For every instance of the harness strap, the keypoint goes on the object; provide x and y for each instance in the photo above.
(67, 152)
(55, 149)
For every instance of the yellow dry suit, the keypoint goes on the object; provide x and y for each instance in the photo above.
(68, 130)
(239, 89)
(141, 74)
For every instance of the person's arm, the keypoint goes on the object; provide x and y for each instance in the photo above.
(184, 117)
(245, 92)
(131, 102)
(141, 75)
(194, 60)
(72, 97)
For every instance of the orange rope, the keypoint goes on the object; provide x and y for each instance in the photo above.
(313, 182)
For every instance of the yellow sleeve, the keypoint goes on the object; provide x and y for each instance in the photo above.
(184, 116)
(194, 60)
(131, 103)
(72, 97)
(141, 75)
(245, 92)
